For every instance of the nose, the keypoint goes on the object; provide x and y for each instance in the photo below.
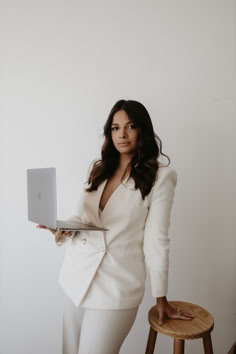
(123, 133)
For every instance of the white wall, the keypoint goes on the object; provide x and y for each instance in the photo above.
(64, 64)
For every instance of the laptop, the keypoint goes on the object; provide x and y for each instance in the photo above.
(42, 202)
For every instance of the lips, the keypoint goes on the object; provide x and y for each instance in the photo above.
(123, 144)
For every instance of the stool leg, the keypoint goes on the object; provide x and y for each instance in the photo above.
(207, 344)
(178, 346)
(151, 341)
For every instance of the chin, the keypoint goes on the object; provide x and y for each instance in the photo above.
(125, 151)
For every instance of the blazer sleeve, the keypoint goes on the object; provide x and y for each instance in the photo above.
(75, 217)
(156, 240)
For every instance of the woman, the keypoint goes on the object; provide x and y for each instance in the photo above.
(130, 193)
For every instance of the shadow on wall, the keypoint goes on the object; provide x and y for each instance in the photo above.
(233, 349)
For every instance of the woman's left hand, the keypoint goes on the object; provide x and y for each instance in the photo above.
(165, 310)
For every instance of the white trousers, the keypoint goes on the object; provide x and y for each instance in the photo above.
(91, 331)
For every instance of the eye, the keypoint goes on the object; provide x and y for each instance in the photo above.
(132, 126)
(114, 128)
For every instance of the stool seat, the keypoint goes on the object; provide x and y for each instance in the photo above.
(198, 327)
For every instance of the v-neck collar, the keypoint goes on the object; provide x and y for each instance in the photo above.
(103, 185)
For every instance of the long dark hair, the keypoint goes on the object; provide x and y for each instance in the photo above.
(144, 163)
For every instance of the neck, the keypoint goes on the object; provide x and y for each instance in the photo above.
(124, 161)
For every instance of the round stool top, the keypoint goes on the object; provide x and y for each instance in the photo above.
(197, 327)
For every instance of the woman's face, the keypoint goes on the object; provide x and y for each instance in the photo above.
(124, 133)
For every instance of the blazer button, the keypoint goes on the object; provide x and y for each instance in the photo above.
(102, 250)
(84, 241)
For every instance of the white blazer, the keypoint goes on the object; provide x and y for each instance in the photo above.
(107, 269)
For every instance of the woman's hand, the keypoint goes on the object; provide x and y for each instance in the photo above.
(60, 236)
(165, 310)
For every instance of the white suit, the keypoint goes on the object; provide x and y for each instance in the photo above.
(107, 269)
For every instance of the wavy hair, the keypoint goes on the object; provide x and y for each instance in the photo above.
(144, 164)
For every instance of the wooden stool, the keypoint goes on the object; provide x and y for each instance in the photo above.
(199, 327)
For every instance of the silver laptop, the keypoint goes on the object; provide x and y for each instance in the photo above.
(42, 201)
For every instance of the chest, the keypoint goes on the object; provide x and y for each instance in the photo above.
(121, 204)
(111, 185)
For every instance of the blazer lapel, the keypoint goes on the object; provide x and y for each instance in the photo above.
(92, 201)
(91, 204)
(115, 202)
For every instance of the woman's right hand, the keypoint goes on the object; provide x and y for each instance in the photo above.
(60, 236)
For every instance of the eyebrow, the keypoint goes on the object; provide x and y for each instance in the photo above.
(118, 123)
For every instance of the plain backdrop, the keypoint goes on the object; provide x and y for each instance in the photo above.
(63, 66)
